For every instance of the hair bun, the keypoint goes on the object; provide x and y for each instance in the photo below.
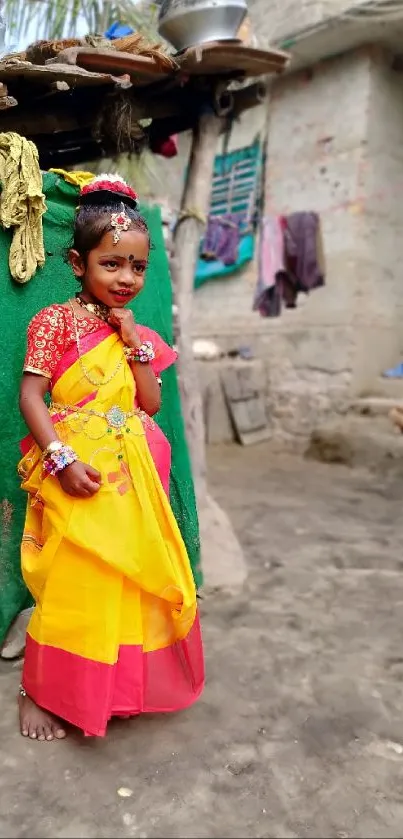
(113, 186)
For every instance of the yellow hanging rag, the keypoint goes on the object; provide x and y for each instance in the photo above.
(22, 204)
(77, 178)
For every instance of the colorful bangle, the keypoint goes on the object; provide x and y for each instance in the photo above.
(130, 353)
(55, 462)
(144, 354)
(51, 448)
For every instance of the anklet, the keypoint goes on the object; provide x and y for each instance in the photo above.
(22, 691)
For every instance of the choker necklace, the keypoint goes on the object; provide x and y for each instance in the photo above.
(98, 309)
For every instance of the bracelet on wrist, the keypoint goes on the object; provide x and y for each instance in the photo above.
(144, 353)
(51, 448)
(59, 458)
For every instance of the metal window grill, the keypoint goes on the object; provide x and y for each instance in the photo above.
(236, 183)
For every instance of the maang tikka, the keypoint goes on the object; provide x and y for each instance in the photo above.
(119, 222)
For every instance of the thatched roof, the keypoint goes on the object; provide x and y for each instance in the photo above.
(77, 102)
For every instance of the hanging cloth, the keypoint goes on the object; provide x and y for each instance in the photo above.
(303, 254)
(22, 204)
(291, 260)
(76, 178)
(234, 198)
(270, 270)
(222, 238)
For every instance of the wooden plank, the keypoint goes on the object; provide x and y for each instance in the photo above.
(46, 118)
(216, 415)
(244, 392)
(226, 58)
(53, 73)
(142, 69)
(28, 125)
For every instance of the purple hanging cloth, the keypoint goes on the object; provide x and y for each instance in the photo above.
(291, 260)
(303, 254)
(222, 238)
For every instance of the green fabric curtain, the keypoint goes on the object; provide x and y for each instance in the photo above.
(54, 283)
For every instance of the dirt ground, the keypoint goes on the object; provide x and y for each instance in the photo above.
(300, 729)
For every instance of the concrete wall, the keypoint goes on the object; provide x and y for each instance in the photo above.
(277, 19)
(317, 138)
(335, 146)
(379, 291)
(343, 159)
(223, 309)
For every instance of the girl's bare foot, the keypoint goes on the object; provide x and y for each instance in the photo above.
(36, 723)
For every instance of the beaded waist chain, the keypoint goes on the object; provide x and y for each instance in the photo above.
(115, 418)
(78, 421)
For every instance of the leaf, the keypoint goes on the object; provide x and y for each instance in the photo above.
(56, 19)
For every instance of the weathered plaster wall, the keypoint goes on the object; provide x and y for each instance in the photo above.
(317, 139)
(277, 19)
(335, 146)
(344, 159)
(379, 291)
(222, 308)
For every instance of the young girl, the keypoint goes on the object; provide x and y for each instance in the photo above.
(115, 630)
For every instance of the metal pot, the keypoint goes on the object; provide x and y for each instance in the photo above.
(188, 23)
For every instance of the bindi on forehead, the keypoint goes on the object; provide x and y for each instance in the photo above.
(132, 258)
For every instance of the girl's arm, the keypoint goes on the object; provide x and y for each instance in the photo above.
(148, 391)
(33, 409)
(79, 479)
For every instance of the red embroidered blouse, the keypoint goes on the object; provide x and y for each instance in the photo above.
(50, 334)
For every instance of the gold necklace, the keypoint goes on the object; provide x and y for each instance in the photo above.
(85, 371)
(98, 309)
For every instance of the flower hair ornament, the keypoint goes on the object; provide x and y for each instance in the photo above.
(111, 189)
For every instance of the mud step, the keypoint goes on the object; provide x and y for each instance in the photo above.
(387, 388)
(358, 441)
(375, 406)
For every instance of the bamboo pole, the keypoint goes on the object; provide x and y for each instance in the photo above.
(223, 562)
(186, 243)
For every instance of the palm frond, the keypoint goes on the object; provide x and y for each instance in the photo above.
(54, 19)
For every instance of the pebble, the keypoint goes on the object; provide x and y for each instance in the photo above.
(125, 792)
